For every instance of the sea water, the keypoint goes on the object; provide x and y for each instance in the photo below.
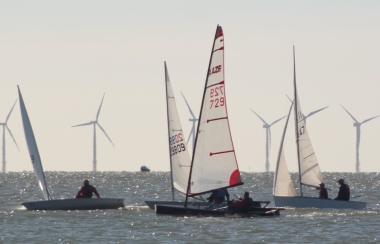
(136, 222)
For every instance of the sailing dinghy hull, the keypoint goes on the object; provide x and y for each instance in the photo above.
(198, 210)
(152, 203)
(76, 204)
(314, 202)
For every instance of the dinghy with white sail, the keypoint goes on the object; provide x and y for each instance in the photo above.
(178, 153)
(213, 165)
(49, 203)
(310, 174)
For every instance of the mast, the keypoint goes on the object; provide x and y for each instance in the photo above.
(167, 116)
(199, 118)
(296, 115)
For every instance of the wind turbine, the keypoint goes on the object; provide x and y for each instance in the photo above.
(268, 137)
(311, 113)
(96, 123)
(357, 125)
(193, 119)
(6, 126)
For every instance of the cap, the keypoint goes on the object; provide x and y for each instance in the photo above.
(341, 181)
(322, 184)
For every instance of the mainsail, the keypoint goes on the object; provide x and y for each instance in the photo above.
(282, 183)
(214, 163)
(33, 150)
(310, 173)
(179, 155)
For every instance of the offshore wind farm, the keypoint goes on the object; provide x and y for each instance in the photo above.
(63, 62)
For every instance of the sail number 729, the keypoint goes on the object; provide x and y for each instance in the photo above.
(217, 97)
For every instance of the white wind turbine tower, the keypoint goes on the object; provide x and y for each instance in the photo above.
(6, 126)
(96, 123)
(194, 120)
(268, 138)
(357, 125)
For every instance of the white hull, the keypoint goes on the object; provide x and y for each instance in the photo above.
(314, 202)
(76, 204)
(151, 203)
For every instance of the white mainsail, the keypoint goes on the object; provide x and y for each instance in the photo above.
(310, 173)
(282, 182)
(33, 150)
(179, 155)
(214, 163)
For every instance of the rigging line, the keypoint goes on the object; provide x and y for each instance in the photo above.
(219, 83)
(211, 153)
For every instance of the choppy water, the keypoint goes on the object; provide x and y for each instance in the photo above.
(139, 223)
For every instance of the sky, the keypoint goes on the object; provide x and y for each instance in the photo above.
(65, 55)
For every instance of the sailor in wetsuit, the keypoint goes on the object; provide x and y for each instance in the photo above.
(86, 190)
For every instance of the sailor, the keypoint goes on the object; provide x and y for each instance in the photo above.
(323, 191)
(344, 191)
(212, 197)
(221, 195)
(242, 203)
(86, 190)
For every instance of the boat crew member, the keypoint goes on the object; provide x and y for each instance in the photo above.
(86, 190)
(242, 203)
(212, 197)
(323, 191)
(344, 191)
(219, 196)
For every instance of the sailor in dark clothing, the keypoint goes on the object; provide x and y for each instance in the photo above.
(219, 196)
(344, 191)
(323, 191)
(86, 190)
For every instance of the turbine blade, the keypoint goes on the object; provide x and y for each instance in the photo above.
(316, 111)
(191, 112)
(6, 120)
(289, 98)
(370, 119)
(12, 137)
(349, 114)
(269, 138)
(105, 133)
(274, 122)
(189, 136)
(97, 115)
(260, 117)
(89, 123)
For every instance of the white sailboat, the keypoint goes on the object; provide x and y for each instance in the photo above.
(213, 165)
(178, 153)
(310, 174)
(49, 203)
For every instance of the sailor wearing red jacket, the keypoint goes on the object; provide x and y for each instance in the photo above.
(86, 190)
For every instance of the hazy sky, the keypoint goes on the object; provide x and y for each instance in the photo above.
(66, 54)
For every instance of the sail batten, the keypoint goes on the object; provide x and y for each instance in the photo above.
(208, 171)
